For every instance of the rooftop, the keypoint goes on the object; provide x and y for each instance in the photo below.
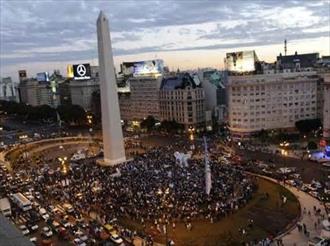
(178, 81)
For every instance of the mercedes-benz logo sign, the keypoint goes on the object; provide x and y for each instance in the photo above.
(81, 70)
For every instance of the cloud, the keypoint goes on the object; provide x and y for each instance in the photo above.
(54, 31)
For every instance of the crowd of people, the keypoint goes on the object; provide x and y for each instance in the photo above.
(150, 189)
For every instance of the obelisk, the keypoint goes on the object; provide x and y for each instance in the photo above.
(113, 143)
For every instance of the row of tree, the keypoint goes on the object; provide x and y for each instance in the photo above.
(71, 114)
(171, 126)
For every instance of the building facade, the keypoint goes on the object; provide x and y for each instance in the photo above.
(142, 99)
(7, 89)
(81, 92)
(271, 101)
(180, 99)
(326, 107)
(35, 93)
(213, 83)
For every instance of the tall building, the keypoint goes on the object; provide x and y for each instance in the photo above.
(7, 89)
(270, 101)
(83, 81)
(140, 97)
(326, 107)
(213, 82)
(42, 90)
(81, 91)
(182, 100)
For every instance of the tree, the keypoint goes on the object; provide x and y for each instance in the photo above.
(306, 126)
(171, 126)
(72, 114)
(96, 105)
(311, 145)
(148, 123)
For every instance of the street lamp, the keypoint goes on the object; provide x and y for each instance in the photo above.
(163, 195)
(64, 167)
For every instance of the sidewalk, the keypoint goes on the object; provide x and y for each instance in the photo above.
(296, 237)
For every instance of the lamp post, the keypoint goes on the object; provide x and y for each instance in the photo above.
(64, 168)
(163, 195)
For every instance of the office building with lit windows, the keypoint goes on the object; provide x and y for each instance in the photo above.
(271, 101)
(182, 100)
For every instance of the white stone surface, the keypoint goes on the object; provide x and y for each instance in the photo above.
(113, 144)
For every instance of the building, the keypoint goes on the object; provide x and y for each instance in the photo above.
(7, 89)
(82, 88)
(35, 93)
(271, 101)
(182, 100)
(81, 92)
(213, 82)
(139, 97)
(297, 62)
(42, 90)
(326, 107)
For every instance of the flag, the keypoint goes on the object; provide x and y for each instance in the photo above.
(208, 181)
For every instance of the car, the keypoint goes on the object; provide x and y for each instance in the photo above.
(68, 207)
(65, 223)
(79, 242)
(33, 227)
(24, 230)
(318, 241)
(33, 239)
(47, 232)
(109, 227)
(83, 238)
(116, 239)
(44, 214)
(55, 226)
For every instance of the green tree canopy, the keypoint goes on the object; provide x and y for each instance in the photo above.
(148, 123)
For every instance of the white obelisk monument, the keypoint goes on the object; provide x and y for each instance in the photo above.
(113, 143)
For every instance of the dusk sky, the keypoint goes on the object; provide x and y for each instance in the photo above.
(46, 35)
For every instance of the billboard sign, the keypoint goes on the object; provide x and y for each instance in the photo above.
(69, 71)
(43, 77)
(141, 68)
(22, 74)
(81, 71)
(242, 61)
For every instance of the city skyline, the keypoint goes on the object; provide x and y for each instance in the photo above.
(188, 34)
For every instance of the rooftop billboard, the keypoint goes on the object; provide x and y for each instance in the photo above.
(43, 77)
(141, 68)
(79, 71)
(240, 62)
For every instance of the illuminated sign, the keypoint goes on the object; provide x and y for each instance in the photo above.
(69, 71)
(22, 74)
(43, 77)
(81, 71)
(242, 61)
(141, 68)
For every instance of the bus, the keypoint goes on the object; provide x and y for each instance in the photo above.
(5, 208)
(24, 203)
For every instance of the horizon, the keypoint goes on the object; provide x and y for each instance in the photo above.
(186, 35)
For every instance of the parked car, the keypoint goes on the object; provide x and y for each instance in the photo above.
(116, 239)
(47, 232)
(24, 230)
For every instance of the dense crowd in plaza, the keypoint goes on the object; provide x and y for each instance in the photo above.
(151, 189)
(133, 190)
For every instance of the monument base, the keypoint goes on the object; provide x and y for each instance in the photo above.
(107, 163)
